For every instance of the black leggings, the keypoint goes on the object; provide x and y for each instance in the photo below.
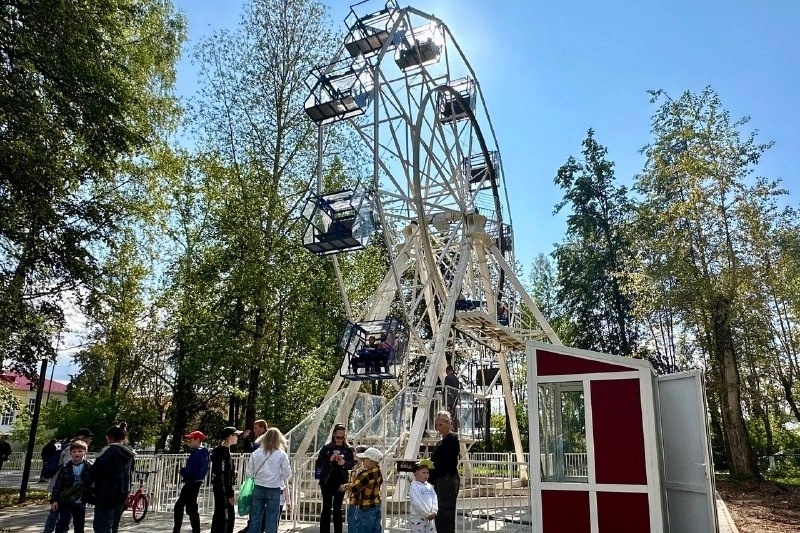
(224, 516)
(332, 499)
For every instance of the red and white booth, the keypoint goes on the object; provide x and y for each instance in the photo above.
(620, 449)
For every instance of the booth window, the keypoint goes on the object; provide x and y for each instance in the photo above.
(562, 432)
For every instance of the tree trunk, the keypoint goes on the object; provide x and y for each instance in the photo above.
(183, 401)
(742, 464)
(717, 434)
(255, 365)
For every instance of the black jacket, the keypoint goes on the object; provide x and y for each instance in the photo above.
(331, 473)
(222, 473)
(65, 480)
(111, 475)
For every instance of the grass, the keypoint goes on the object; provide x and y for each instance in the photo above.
(791, 480)
(9, 497)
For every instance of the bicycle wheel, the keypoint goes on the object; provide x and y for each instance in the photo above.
(140, 506)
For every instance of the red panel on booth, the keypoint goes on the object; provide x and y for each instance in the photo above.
(558, 364)
(618, 432)
(623, 512)
(565, 511)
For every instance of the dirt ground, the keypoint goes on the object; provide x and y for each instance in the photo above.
(762, 507)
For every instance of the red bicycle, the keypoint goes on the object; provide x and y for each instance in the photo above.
(137, 502)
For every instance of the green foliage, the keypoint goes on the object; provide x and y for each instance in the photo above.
(8, 402)
(591, 260)
(85, 90)
(21, 429)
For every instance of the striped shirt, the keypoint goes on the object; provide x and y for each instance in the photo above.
(365, 491)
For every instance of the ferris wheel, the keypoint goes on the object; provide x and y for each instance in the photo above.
(437, 195)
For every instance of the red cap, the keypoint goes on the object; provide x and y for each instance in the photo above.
(195, 435)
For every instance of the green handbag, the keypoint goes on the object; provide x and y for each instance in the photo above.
(245, 496)
(246, 491)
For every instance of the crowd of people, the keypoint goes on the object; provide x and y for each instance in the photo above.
(342, 470)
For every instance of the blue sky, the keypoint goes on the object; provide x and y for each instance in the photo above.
(551, 70)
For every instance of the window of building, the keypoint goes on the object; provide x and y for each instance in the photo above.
(31, 405)
(7, 418)
(562, 432)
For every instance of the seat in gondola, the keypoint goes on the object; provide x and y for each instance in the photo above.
(372, 349)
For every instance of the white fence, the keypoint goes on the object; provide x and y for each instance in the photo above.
(492, 496)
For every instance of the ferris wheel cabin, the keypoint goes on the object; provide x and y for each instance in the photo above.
(338, 91)
(372, 349)
(423, 47)
(338, 222)
(454, 107)
(370, 33)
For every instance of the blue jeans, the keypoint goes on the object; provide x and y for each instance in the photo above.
(106, 518)
(76, 511)
(366, 520)
(52, 520)
(352, 519)
(265, 510)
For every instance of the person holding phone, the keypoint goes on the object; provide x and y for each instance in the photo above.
(334, 461)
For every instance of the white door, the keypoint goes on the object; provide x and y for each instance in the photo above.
(688, 470)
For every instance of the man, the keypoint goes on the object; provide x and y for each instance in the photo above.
(85, 435)
(251, 444)
(47, 452)
(452, 385)
(5, 450)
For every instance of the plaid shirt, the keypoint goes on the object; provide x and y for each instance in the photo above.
(365, 491)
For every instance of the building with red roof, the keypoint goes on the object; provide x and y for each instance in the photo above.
(24, 390)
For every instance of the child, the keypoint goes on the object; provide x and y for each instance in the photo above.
(365, 494)
(422, 499)
(352, 524)
(222, 480)
(193, 474)
(67, 495)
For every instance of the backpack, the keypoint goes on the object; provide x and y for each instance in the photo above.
(51, 466)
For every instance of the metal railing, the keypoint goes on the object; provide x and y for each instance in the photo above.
(492, 496)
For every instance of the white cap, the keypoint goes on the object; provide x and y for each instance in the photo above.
(371, 453)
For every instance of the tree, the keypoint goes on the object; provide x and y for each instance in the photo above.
(250, 119)
(697, 201)
(591, 260)
(85, 89)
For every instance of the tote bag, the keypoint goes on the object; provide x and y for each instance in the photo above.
(246, 496)
(246, 491)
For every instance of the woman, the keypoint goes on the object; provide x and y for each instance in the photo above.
(334, 461)
(269, 466)
(111, 479)
(444, 475)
